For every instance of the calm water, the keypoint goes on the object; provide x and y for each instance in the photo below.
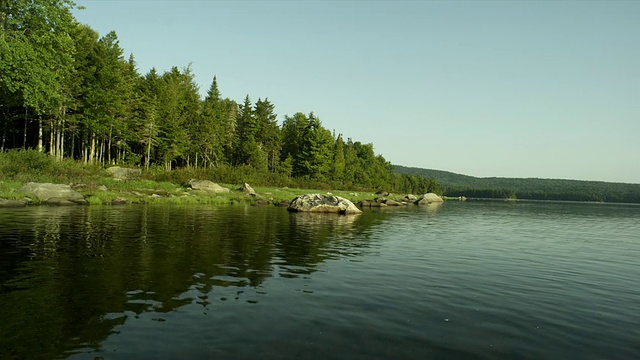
(485, 280)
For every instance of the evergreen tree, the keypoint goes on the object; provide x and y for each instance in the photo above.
(268, 137)
(338, 159)
(315, 154)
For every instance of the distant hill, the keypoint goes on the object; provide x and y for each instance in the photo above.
(530, 188)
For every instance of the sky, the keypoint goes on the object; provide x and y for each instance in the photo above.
(545, 89)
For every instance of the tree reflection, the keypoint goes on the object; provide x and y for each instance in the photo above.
(71, 276)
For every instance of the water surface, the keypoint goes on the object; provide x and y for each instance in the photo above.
(485, 280)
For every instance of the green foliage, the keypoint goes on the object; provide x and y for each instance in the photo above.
(532, 188)
(31, 165)
(69, 92)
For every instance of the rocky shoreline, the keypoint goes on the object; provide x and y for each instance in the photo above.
(79, 194)
(125, 189)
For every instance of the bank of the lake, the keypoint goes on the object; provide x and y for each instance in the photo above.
(151, 192)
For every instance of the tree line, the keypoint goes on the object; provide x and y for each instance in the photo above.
(530, 188)
(72, 93)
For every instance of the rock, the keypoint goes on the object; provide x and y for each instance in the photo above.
(118, 201)
(411, 197)
(207, 185)
(365, 203)
(323, 203)
(377, 204)
(6, 203)
(121, 173)
(247, 189)
(102, 188)
(155, 196)
(56, 201)
(283, 203)
(382, 193)
(260, 202)
(45, 191)
(429, 198)
(393, 203)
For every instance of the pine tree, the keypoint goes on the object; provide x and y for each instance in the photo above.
(338, 159)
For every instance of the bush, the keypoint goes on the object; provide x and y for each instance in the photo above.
(16, 162)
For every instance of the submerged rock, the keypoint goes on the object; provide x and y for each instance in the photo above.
(7, 203)
(429, 198)
(56, 201)
(323, 204)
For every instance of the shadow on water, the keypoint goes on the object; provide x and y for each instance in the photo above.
(70, 276)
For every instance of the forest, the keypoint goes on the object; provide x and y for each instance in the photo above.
(529, 188)
(73, 94)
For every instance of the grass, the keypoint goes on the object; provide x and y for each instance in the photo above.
(18, 167)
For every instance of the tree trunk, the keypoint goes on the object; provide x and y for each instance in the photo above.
(61, 141)
(40, 134)
(92, 150)
(51, 139)
(148, 159)
(109, 146)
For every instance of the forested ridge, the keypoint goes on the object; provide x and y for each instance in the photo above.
(528, 188)
(67, 91)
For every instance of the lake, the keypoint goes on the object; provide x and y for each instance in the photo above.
(461, 280)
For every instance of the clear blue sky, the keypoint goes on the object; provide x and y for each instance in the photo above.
(546, 89)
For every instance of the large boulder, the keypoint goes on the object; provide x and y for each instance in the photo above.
(207, 185)
(46, 191)
(120, 173)
(323, 204)
(429, 198)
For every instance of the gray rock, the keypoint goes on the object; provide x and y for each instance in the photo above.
(207, 185)
(411, 197)
(382, 193)
(323, 204)
(429, 198)
(6, 203)
(119, 201)
(44, 191)
(121, 173)
(247, 189)
(102, 188)
(56, 201)
(393, 203)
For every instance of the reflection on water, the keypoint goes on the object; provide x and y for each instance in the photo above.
(454, 280)
(70, 275)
